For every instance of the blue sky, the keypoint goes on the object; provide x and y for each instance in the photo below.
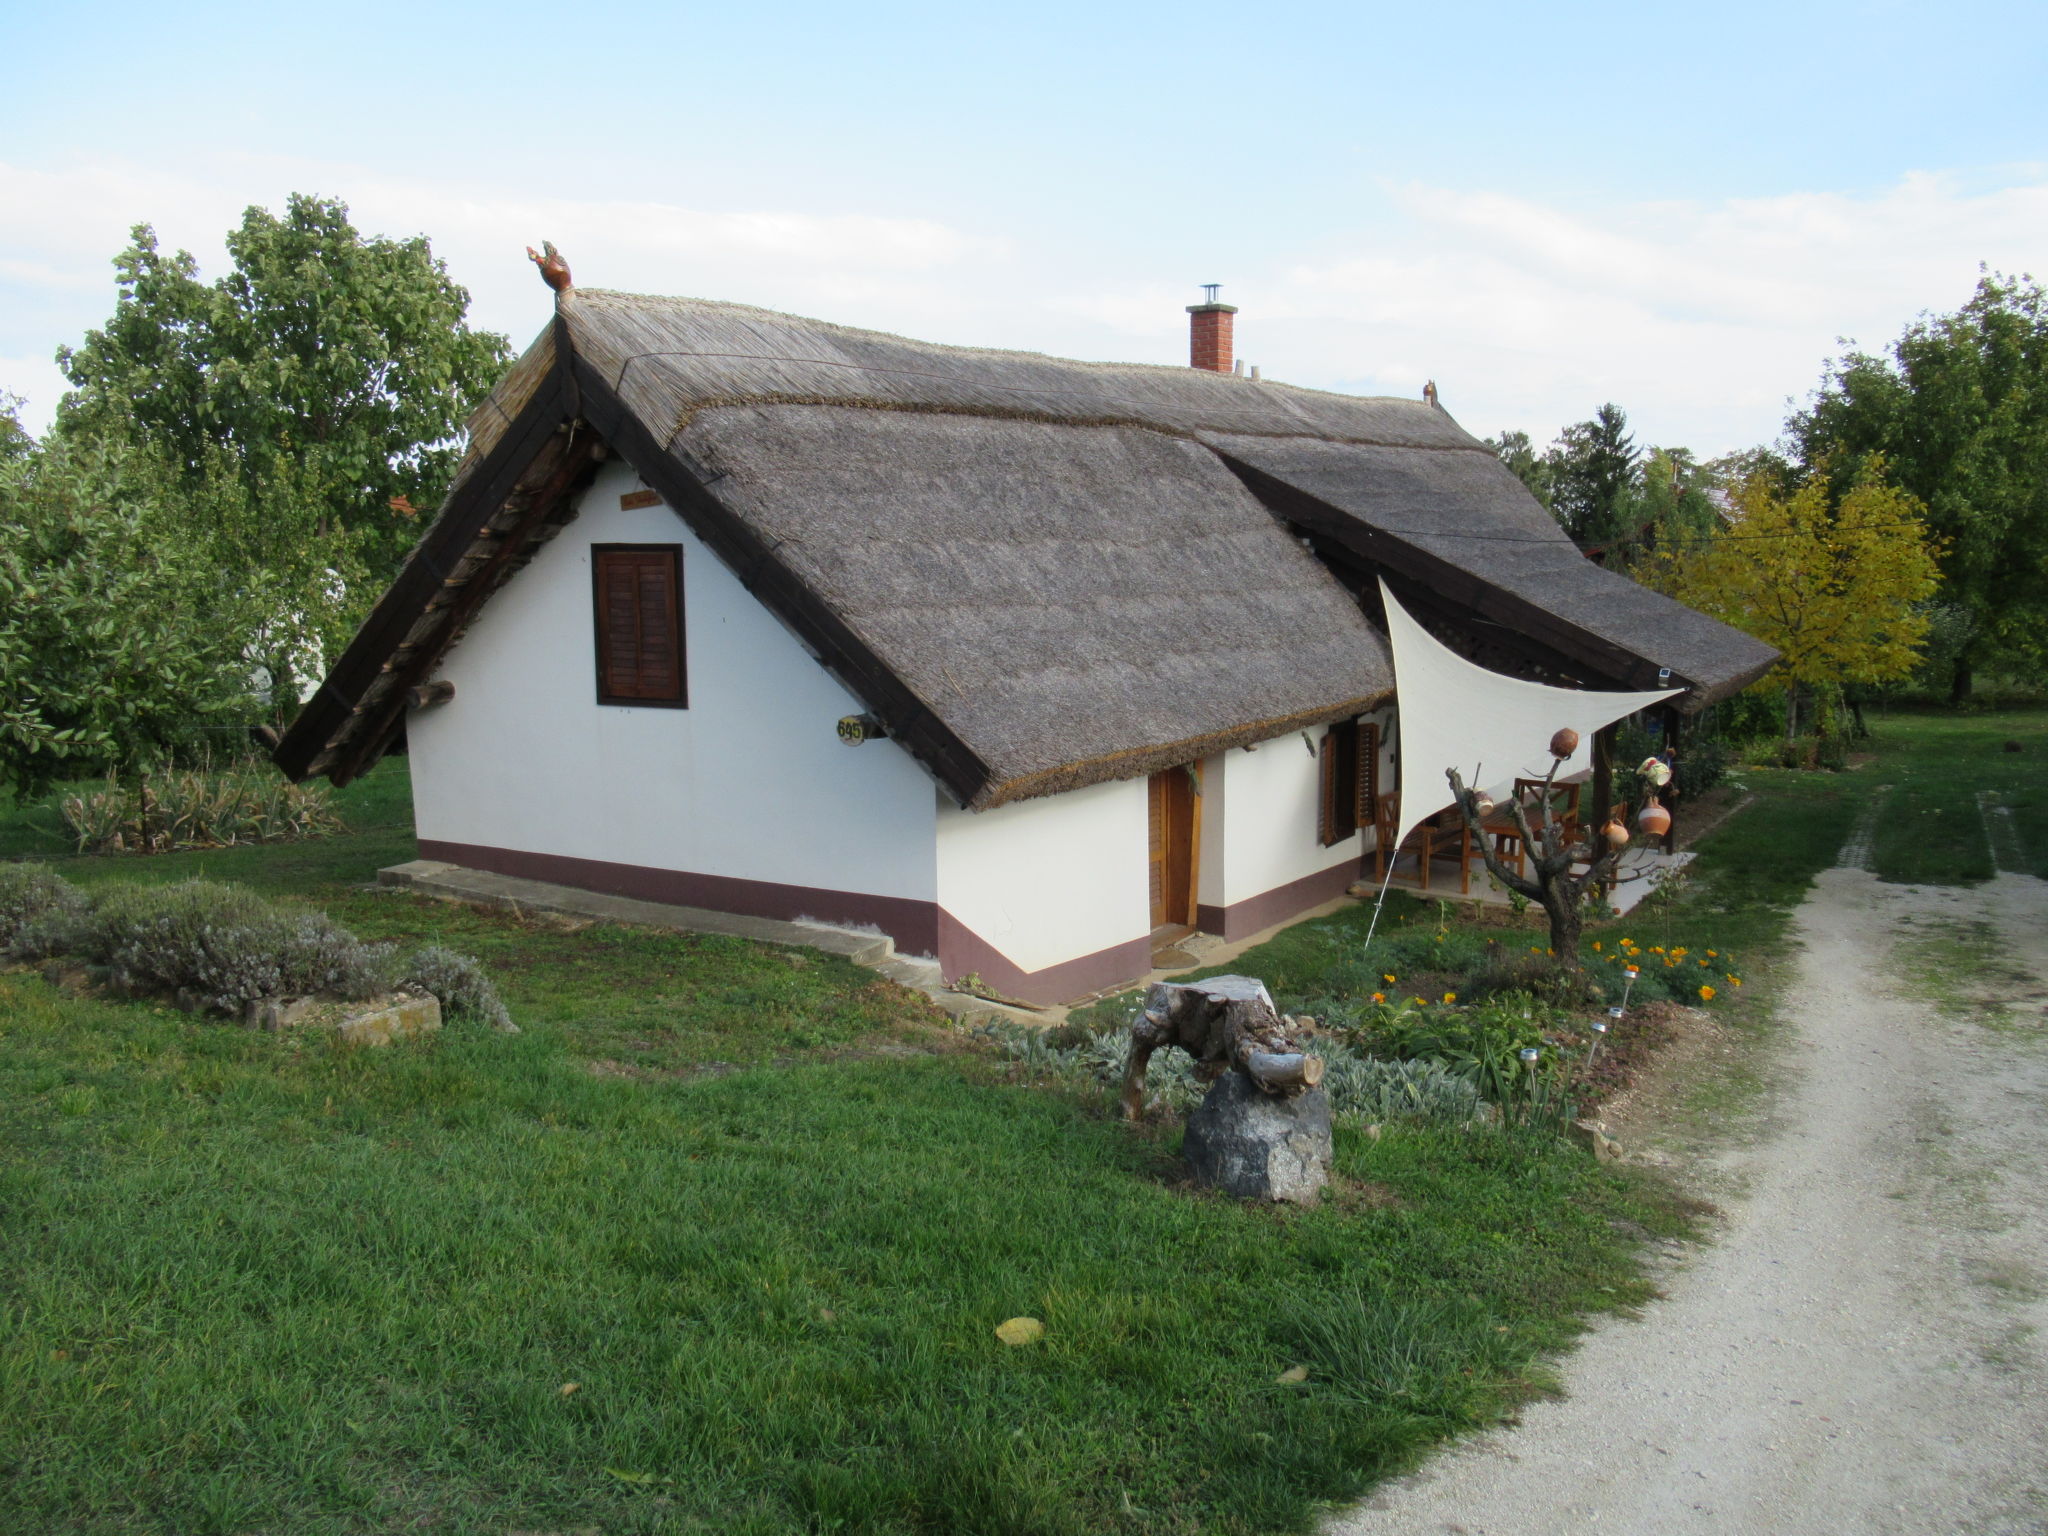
(1541, 207)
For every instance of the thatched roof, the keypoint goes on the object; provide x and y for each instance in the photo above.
(1076, 603)
(1038, 573)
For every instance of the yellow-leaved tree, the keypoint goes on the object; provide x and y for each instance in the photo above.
(1838, 585)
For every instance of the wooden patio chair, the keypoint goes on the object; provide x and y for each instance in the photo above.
(1435, 837)
(1564, 805)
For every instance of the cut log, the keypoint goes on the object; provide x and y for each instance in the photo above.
(1278, 1073)
(1223, 1023)
(427, 695)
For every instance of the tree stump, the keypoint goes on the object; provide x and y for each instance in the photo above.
(1263, 1132)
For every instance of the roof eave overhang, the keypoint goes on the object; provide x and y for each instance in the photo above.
(1451, 585)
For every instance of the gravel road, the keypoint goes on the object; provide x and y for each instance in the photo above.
(1859, 1349)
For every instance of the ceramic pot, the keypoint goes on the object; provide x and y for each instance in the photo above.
(1564, 743)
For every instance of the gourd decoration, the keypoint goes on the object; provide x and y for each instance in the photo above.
(1564, 743)
(1654, 820)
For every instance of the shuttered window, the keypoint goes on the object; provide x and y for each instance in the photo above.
(639, 601)
(1343, 785)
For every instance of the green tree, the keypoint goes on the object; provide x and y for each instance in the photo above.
(325, 379)
(1595, 475)
(1958, 408)
(15, 441)
(1838, 583)
(119, 641)
(1530, 467)
(1676, 499)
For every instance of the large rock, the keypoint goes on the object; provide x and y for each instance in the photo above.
(377, 1021)
(1258, 1145)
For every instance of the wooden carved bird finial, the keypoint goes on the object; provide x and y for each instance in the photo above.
(553, 270)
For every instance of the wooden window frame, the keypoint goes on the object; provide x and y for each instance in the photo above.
(597, 625)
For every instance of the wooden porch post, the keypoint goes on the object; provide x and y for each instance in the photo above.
(1595, 818)
(1673, 723)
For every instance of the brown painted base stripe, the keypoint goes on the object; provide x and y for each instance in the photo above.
(1243, 918)
(962, 951)
(914, 925)
(918, 927)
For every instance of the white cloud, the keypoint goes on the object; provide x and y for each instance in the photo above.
(1700, 317)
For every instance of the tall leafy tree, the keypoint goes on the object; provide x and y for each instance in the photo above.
(119, 640)
(1838, 583)
(1958, 408)
(1530, 467)
(1594, 477)
(323, 380)
(15, 440)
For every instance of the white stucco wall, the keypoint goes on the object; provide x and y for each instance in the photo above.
(1050, 880)
(1260, 818)
(750, 781)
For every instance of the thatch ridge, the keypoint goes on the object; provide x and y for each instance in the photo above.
(670, 358)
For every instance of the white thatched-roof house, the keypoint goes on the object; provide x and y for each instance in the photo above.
(1109, 637)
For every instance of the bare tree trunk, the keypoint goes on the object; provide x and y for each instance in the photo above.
(1567, 921)
(1959, 683)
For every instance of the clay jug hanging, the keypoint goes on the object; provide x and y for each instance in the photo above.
(1654, 820)
(1564, 743)
(1616, 833)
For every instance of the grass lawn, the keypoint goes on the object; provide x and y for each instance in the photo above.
(719, 1243)
(1930, 829)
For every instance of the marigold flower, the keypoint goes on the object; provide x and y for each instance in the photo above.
(1706, 994)
(1535, 949)
(1388, 978)
(1450, 997)
(1734, 981)
(1379, 997)
(1656, 949)
(1596, 946)
(1713, 954)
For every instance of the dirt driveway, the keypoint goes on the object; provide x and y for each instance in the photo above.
(1861, 1348)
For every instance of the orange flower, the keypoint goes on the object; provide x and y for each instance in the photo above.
(1656, 949)
(1388, 978)
(1734, 981)
(1450, 997)
(1379, 997)
(1596, 946)
(1706, 994)
(1713, 954)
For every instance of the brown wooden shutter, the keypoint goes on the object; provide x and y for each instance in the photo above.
(639, 611)
(1337, 760)
(1367, 800)
(1326, 797)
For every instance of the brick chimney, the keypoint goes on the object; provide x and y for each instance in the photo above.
(1210, 344)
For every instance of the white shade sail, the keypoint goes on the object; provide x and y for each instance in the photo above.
(1492, 729)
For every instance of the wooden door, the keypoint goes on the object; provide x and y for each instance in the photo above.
(1175, 825)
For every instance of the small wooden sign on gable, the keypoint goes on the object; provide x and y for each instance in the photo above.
(633, 500)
